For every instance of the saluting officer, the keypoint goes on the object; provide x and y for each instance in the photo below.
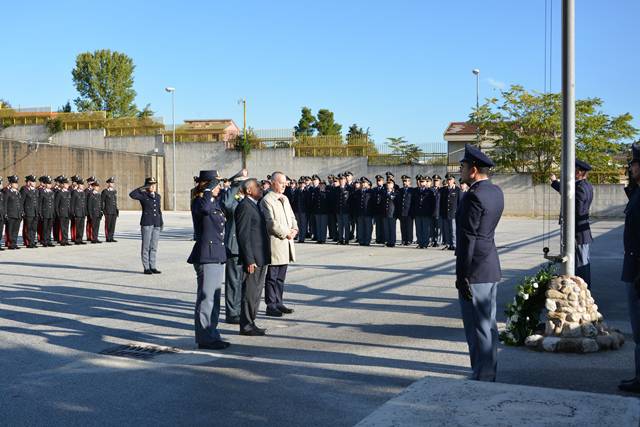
(150, 223)
(110, 209)
(584, 197)
(94, 210)
(3, 213)
(46, 211)
(477, 263)
(389, 213)
(403, 202)
(29, 196)
(13, 201)
(631, 262)
(63, 210)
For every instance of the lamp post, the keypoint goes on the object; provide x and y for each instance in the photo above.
(172, 91)
(243, 101)
(476, 71)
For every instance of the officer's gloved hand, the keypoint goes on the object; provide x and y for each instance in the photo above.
(465, 289)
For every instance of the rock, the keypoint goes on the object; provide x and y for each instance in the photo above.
(589, 345)
(574, 304)
(549, 328)
(586, 317)
(605, 342)
(555, 285)
(569, 345)
(594, 307)
(533, 341)
(550, 305)
(573, 317)
(550, 343)
(566, 290)
(556, 315)
(588, 330)
(552, 293)
(561, 303)
(572, 297)
(590, 301)
(571, 330)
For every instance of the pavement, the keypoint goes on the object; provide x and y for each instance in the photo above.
(369, 322)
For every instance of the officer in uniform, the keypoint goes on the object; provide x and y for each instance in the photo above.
(353, 209)
(3, 212)
(584, 197)
(56, 222)
(46, 211)
(378, 194)
(94, 210)
(477, 263)
(448, 206)
(110, 209)
(13, 201)
(321, 210)
(420, 210)
(435, 220)
(404, 211)
(63, 210)
(389, 213)
(150, 223)
(343, 211)
(366, 207)
(301, 201)
(631, 262)
(87, 191)
(79, 212)
(29, 196)
(40, 188)
(333, 186)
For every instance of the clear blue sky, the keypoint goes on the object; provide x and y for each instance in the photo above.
(402, 68)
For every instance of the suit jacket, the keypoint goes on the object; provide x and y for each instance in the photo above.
(584, 197)
(631, 262)
(110, 202)
(29, 201)
(63, 204)
(78, 204)
(13, 203)
(209, 221)
(254, 244)
(403, 201)
(151, 207)
(229, 205)
(94, 205)
(476, 221)
(46, 204)
(280, 219)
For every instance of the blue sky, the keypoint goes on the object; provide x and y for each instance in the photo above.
(401, 68)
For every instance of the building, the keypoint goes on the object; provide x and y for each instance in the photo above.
(457, 135)
(215, 129)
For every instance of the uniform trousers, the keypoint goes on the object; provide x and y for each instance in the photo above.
(274, 286)
(390, 231)
(379, 219)
(343, 227)
(332, 224)
(583, 263)
(150, 238)
(207, 311)
(633, 300)
(423, 230)
(95, 227)
(29, 228)
(11, 234)
(406, 229)
(64, 230)
(447, 231)
(79, 222)
(47, 224)
(2, 229)
(233, 287)
(109, 226)
(481, 330)
(434, 235)
(321, 227)
(365, 230)
(252, 286)
(301, 217)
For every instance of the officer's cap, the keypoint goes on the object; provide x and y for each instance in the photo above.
(91, 178)
(419, 177)
(315, 176)
(379, 177)
(390, 180)
(148, 181)
(111, 179)
(389, 174)
(95, 183)
(269, 177)
(63, 180)
(41, 179)
(582, 165)
(426, 178)
(449, 176)
(209, 175)
(74, 178)
(635, 153)
(13, 179)
(475, 157)
(46, 180)
(406, 177)
(341, 176)
(80, 181)
(436, 177)
(301, 180)
(30, 178)
(347, 173)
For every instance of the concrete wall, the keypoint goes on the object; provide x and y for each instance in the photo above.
(26, 133)
(44, 159)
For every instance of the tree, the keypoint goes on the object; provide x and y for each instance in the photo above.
(146, 112)
(525, 129)
(410, 153)
(104, 80)
(4, 103)
(66, 108)
(306, 122)
(325, 124)
(356, 134)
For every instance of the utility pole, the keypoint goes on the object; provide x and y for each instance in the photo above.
(476, 71)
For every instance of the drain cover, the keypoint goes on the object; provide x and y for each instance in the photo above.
(138, 351)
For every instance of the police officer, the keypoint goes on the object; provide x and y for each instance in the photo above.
(321, 209)
(110, 209)
(78, 212)
(448, 207)
(389, 213)
(29, 196)
(366, 207)
(420, 209)
(631, 262)
(87, 192)
(378, 194)
(46, 211)
(208, 258)
(63, 210)
(150, 223)
(342, 194)
(584, 197)
(403, 202)
(13, 202)
(333, 186)
(477, 263)
(94, 210)
(3, 213)
(301, 208)
(435, 221)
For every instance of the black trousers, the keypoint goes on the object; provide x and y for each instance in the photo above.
(2, 229)
(332, 224)
(29, 228)
(343, 227)
(406, 229)
(56, 229)
(274, 286)
(95, 228)
(447, 231)
(379, 228)
(321, 227)
(252, 286)
(47, 224)
(301, 217)
(365, 229)
(11, 232)
(311, 233)
(64, 230)
(79, 222)
(390, 231)
(353, 221)
(435, 229)
(233, 286)
(109, 226)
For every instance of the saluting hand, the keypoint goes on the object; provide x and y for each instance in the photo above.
(553, 177)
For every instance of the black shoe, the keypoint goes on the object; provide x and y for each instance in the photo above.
(113, 241)
(631, 387)
(96, 241)
(216, 345)
(272, 312)
(286, 310)
(15, 248)
(253, 332)
(148, 272)
(628, 381)
(154, 271)
(233, 321)
(452, 248)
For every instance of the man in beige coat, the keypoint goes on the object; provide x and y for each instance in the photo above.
(282, 228)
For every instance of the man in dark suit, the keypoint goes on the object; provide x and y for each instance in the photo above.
(342, 194)
(477, 263)
(255, 254)
(29, 196)
(79, 212)
(63, 210)
(110, 209)
(94, 211)
(584, 197)
(46, 211)
(448, 206)
(403, 201)
(631, 262)
(300, 208)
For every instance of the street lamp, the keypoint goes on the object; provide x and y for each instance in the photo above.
(243, 101)
(172, 91)
(476, 71)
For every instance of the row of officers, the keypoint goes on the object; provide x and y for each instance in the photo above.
(56, 210)
(346, 209)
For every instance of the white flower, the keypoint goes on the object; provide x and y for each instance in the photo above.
(514, 318)
(535, 285)
(525, 297)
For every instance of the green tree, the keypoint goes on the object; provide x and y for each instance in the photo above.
(409, 153)
(325, 123)
(146, 112)
(66, 108)
(4, 103)
(525, 129)
(305, 124)
(104, 80)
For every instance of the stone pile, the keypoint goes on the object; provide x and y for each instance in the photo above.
(573, 322)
